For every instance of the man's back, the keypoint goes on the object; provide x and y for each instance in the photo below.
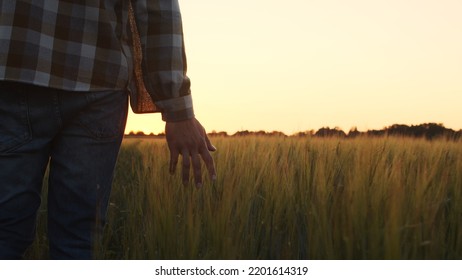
(71, 45)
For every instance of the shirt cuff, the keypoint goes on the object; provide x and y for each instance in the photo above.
(177, 109)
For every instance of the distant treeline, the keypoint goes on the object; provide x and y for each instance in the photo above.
(427, 130)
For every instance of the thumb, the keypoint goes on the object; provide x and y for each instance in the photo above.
(210, 147)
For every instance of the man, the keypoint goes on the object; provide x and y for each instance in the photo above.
(66, 68)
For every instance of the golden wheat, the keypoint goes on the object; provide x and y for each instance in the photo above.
(289, 198)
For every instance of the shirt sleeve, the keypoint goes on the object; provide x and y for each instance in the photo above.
(163, 57)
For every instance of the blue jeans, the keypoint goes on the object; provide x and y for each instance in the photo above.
(79, 135)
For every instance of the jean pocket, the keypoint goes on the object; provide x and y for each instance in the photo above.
(15, 128)
(105, 115)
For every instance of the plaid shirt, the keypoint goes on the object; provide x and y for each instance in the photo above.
(88, 45)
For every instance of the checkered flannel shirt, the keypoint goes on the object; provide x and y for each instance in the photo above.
(87, 45)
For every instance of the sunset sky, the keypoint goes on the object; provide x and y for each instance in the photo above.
(297, 65)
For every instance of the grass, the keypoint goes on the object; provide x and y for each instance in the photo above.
(288, 198)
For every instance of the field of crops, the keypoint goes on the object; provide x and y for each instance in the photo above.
(288, 198)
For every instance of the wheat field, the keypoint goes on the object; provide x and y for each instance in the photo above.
(287, 198)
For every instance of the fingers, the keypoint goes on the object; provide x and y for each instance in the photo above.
(210, 147)
(174, 154)
(189, 139)
(197, 170)
(196, 166)
(194, 159)
(186, 166)
(208, 160)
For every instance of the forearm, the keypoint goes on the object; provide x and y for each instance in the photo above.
(163, 57)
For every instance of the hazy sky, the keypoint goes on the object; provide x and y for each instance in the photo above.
(296, 65)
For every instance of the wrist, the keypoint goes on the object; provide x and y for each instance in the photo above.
(178, 116)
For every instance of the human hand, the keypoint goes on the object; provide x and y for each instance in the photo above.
(189, 139)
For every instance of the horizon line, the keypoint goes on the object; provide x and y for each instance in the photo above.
(353, 129)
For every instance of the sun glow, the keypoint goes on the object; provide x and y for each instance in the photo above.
(299, 65)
